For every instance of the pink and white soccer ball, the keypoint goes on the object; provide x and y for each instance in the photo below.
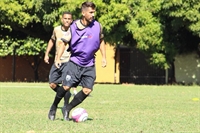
(79, 115)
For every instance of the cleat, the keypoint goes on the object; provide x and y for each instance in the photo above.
(52, 113)
(65, 114)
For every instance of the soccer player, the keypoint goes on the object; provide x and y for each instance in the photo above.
(56, 75)
(86, 40)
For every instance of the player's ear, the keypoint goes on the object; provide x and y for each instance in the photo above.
(83, 13)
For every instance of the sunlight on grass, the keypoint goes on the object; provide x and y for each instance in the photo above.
(111, 109)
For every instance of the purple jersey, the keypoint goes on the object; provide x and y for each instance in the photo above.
(84, 43)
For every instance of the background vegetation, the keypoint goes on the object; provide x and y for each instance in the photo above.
(160, 28)
(111, 108)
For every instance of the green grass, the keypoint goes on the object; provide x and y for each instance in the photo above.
(112, 109)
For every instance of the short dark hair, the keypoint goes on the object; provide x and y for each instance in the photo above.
(87, 4)
(66, 12)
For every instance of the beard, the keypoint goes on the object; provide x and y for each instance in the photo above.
(90, 20)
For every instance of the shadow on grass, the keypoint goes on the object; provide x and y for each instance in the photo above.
(88, 119)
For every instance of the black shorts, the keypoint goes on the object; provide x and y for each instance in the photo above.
(77, 75)
(56, 75)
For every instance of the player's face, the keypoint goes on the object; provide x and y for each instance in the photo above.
(88, 14)
(66, 20)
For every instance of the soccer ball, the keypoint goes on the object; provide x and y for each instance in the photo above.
(79, 115)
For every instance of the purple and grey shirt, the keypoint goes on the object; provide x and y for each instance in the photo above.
(84, 43)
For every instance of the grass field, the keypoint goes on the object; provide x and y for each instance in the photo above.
(111, 108)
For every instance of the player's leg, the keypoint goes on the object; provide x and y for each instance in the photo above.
(52, 111)
(63, 69)
(65, 88)
(67, 97)
(88, 76)
(78, 98)
(55, 77)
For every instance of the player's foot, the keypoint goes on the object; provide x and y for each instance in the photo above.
(65, 114)
(52, 113)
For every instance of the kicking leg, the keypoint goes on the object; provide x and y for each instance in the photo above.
(78, 98)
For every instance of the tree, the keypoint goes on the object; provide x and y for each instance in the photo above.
(26, 27)
(159, 28)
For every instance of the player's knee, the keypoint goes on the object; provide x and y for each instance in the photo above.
(52, 85)
(87, 91)
(66, 88)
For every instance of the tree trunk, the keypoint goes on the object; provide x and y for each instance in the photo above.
(172, 77)
(37, 61)
(13, 65)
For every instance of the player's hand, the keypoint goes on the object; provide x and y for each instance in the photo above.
(46, 59)
(58, 63)
(103, 63)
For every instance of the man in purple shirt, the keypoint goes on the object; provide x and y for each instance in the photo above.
(86, 40)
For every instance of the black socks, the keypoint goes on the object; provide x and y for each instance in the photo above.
(78, 98)
(56, 89)
(67, 97)
(61, 92)
(59, 95)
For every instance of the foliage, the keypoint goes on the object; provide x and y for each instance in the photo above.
(29, 47)
(181, 22)
(159, 28)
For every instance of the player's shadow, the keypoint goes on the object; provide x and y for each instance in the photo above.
(61, 119)
(89, 119)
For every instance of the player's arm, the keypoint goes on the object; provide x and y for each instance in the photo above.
(60, 52)
(103, 53)
(49, 47)
(103, 48)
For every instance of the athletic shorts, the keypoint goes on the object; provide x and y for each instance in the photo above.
(56, 75)
(77, 75)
